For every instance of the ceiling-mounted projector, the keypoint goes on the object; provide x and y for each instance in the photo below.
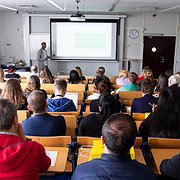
(78, 16)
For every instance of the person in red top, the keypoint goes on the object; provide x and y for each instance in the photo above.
(19, 159)
(141, 77)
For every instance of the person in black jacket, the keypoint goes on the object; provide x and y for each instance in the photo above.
(92, 124)
(164, 121)
(171, 167)
(144, 104)
(118, 136)
(104, 86)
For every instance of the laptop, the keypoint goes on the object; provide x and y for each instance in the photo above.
(73, 97)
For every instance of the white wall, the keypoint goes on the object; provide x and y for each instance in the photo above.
(161, 24)
(11, 32)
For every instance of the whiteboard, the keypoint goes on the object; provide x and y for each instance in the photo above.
(35, 43)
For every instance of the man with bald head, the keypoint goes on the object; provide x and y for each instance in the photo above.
(118, 136)
(41, 123)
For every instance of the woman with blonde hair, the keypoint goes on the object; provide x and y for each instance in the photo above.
(34, 84)
(1, 75)
(13, 92)
(123, 77)
(46, 76)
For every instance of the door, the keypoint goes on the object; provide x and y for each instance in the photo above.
(158, 54)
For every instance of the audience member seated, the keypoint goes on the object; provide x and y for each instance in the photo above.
(165, 120)
(41, 123)
(12, 74)
(174, 85)
(171, 167)
(148, 74)
(46, 76)
(74, 77)
(59, 103)
(97, 92)
(123, 77)
(78, 69)
(92, 124)
(34, 70)
(102, 69)
(118, 136)
(20, 158)
(178, 74)
(98, 76)
(12, 91)
(162, 84)
(1, 75)
(103, 87)
(144, 104)
(169, 72)
(141, 77)
(34, 84)
(132, 86)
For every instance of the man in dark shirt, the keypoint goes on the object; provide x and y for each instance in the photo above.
(41, 123)
(171, 167)
(118, 136)
(145, 103)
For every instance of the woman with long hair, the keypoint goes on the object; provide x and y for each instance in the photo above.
(78, 69)
(74, 77)
(1, 75)
(165, 120)
(46, 76)
(34, 84)
(13, 92)
(92, 124)
(162, 84)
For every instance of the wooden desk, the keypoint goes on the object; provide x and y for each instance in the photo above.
(161, 154)
(84, 154)
(61, 159)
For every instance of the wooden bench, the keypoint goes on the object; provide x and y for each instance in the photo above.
(52, 141)
(164, 143)
(113, 79)
(22, 115)
(85, 140)
(129, 95)
(138, 116)
(71, 124)
(64, 113)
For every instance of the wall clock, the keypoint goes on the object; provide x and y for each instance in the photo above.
(133, 33)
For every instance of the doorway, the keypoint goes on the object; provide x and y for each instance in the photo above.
(158, 54)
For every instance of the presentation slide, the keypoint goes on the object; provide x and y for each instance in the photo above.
(92, 40)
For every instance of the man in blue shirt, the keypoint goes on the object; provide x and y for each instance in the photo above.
(118, 135)
(41, 123)
(59, 103)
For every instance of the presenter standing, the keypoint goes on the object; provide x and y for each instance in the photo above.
(42, 56)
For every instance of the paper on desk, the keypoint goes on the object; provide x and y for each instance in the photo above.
(129, 109)
(53, 156)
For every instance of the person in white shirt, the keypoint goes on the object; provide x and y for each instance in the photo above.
(42, 56)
